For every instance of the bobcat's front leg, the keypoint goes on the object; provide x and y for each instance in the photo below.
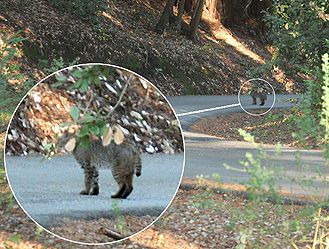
(254, 98)
(94, 190)
(91, 187)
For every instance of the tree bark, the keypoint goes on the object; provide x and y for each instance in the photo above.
(189, 5)
(180, 13)
(164, 19)
(195, 20)
(110, 233)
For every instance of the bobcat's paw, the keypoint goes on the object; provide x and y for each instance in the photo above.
(115, 196)
(84, 192)
(94, 191)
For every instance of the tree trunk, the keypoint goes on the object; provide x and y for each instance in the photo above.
(180, 13)
(212, 9)
(195, 20)
(164, 19)
(263, 5)
(226, 13)
(189, 5)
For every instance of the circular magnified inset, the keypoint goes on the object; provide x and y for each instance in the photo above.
(87, 118)
(256, 95)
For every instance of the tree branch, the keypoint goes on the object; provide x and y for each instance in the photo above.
(110, 233)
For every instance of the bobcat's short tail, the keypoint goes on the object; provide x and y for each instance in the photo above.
(138, 167)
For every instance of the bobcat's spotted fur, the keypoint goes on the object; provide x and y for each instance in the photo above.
(124, 160)
(259, 93)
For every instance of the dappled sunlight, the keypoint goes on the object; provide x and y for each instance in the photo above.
(112, 19)
(152, 238)
(15, 242)
(225, 35)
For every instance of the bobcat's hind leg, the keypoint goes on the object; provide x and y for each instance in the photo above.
(129, 185)
(262, 98)
(121, 190)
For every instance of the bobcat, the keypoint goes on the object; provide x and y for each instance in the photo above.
(258, 93)
(124, 160)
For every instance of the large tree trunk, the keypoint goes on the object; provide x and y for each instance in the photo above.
(263, 5)
(164, 19)
(180, 13)
(226, 12)
(212, 9)
(195, 20)
(189, 5)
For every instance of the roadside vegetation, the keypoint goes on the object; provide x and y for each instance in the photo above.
(253, 215)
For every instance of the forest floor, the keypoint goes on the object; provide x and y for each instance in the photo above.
(277, 126)
(217, 63)
(203, 214)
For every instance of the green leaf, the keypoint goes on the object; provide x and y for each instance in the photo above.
(75, 85)
(47, 146)
(77, 73)
(102, 129)
(61, 78)
(15, 238)
(100, 123)
(57, 84)
(102, 126)
(88, 119)
(91, 79)
(83, 87)
(94, 129)
(84, 141)
(75, 113)
(84, 130)
(66, 124)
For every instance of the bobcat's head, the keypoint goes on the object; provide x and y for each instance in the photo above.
(64, 141)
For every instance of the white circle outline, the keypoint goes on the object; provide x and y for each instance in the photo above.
(183, 168)
(253, 114)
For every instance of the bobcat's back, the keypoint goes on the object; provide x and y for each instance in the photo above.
(124, 160)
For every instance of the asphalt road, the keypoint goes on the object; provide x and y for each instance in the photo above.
(206, 155)
(49, 191)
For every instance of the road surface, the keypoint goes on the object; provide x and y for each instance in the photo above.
(206, 155)
(49, 191)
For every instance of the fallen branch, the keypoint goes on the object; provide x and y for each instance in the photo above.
(110, 233)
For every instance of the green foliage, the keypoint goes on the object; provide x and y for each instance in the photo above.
(4, 120)
(213, 48)
(314, 120)
(91, 122)
(13, 84)
(38, 231)
(87, 10)
(129, 60)
(204, 200)
(84, 78)
(299, 34)
(122, 225)
(15, 238)
(57, 64)
(324, 122)
(6, 197)
(262, 179)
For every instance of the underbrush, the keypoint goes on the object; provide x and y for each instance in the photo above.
(266, 220)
